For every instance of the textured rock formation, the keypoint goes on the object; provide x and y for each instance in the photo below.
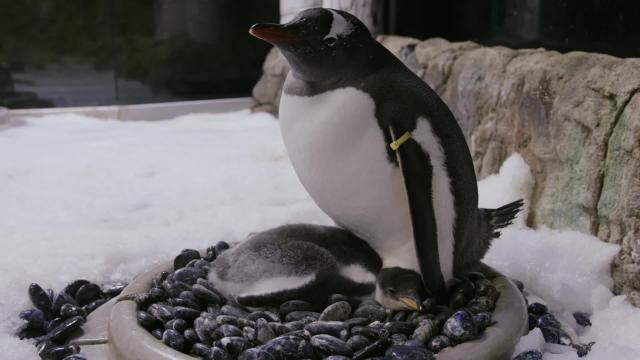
(574, 117)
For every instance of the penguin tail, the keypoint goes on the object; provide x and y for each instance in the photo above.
(496, 219)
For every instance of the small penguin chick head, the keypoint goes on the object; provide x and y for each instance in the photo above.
(320, 44)
(399, 289)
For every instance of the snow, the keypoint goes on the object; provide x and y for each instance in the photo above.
(103, 200)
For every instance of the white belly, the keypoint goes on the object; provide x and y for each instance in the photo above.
(339, 153)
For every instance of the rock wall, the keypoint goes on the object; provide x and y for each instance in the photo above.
(574, 117)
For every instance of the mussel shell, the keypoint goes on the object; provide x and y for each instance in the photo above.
(337, 311)
(294, 305)
(330, 345)
(173, 339)
(184, 257)
(39, 298)
(404, 352)
(88, 293)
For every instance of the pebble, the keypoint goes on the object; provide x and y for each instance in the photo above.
(220, 247)
(89, 308)
(482, 320)
(398, 339)
(34, 317)
(147, 320)
(69, 310)
(210, 254)
(429, 305)
(234, 345)
(58, 352)
(371, 312)
(371, 350)
(157, 333)
(173, 339)
(289, 347)
(424, 332)
(62, 331)
(438, 343)
(519, 284)
(184, 257)
(582, 318)
(226, 330)
(548, 320)
(357, 342)
(480, 304)
(178, 325)
(267, 315)
(39, 298)
(162, 312)
(75, 357)
(190, 336)
(333, 328)
(404, 327)
(88, 293)
(583, 349)
(356, 321)
(538, 309)
(204, 325)
(555, 336)
(236, 321)
(337, 311)
(72, 288)
(299, 315)
(330, 345)
(188, 314)
(218, 354)
(403, 352)
(188, 275)
(460, 327)
(294, 305)
(200, 349)
(529, 355)
(264, 333)
(233, 311)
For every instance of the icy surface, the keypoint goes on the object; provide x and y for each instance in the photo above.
(532, 341)
(102, 200)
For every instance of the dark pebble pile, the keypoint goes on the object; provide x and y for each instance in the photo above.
(186, 313)
(56, 317)
(540, 317)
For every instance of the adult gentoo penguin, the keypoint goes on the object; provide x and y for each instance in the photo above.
(308, 262)
(378, 150)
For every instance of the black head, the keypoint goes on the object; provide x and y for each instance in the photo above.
(399, 289)
(321, 44)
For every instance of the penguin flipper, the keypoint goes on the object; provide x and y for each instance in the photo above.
(417, 171)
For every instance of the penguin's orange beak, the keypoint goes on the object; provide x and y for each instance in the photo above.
(273, 33)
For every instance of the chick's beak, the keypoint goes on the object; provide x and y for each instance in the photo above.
(273, 33)
(410, 303)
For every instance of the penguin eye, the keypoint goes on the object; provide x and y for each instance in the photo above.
(391, 291)
(330, 40)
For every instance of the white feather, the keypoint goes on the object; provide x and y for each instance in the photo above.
(339, 26)
(443, 200)
(340, 155)
(358, 274)
(261, 286)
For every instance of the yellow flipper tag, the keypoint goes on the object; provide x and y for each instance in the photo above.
(399, 141)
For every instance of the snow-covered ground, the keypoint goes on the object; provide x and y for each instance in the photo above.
(102, 200)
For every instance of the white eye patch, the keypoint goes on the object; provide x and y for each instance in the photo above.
(339, 26)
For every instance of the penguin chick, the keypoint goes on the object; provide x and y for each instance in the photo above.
(304, 262)
(399, 289)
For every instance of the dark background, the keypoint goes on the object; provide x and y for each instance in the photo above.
(100, 52)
